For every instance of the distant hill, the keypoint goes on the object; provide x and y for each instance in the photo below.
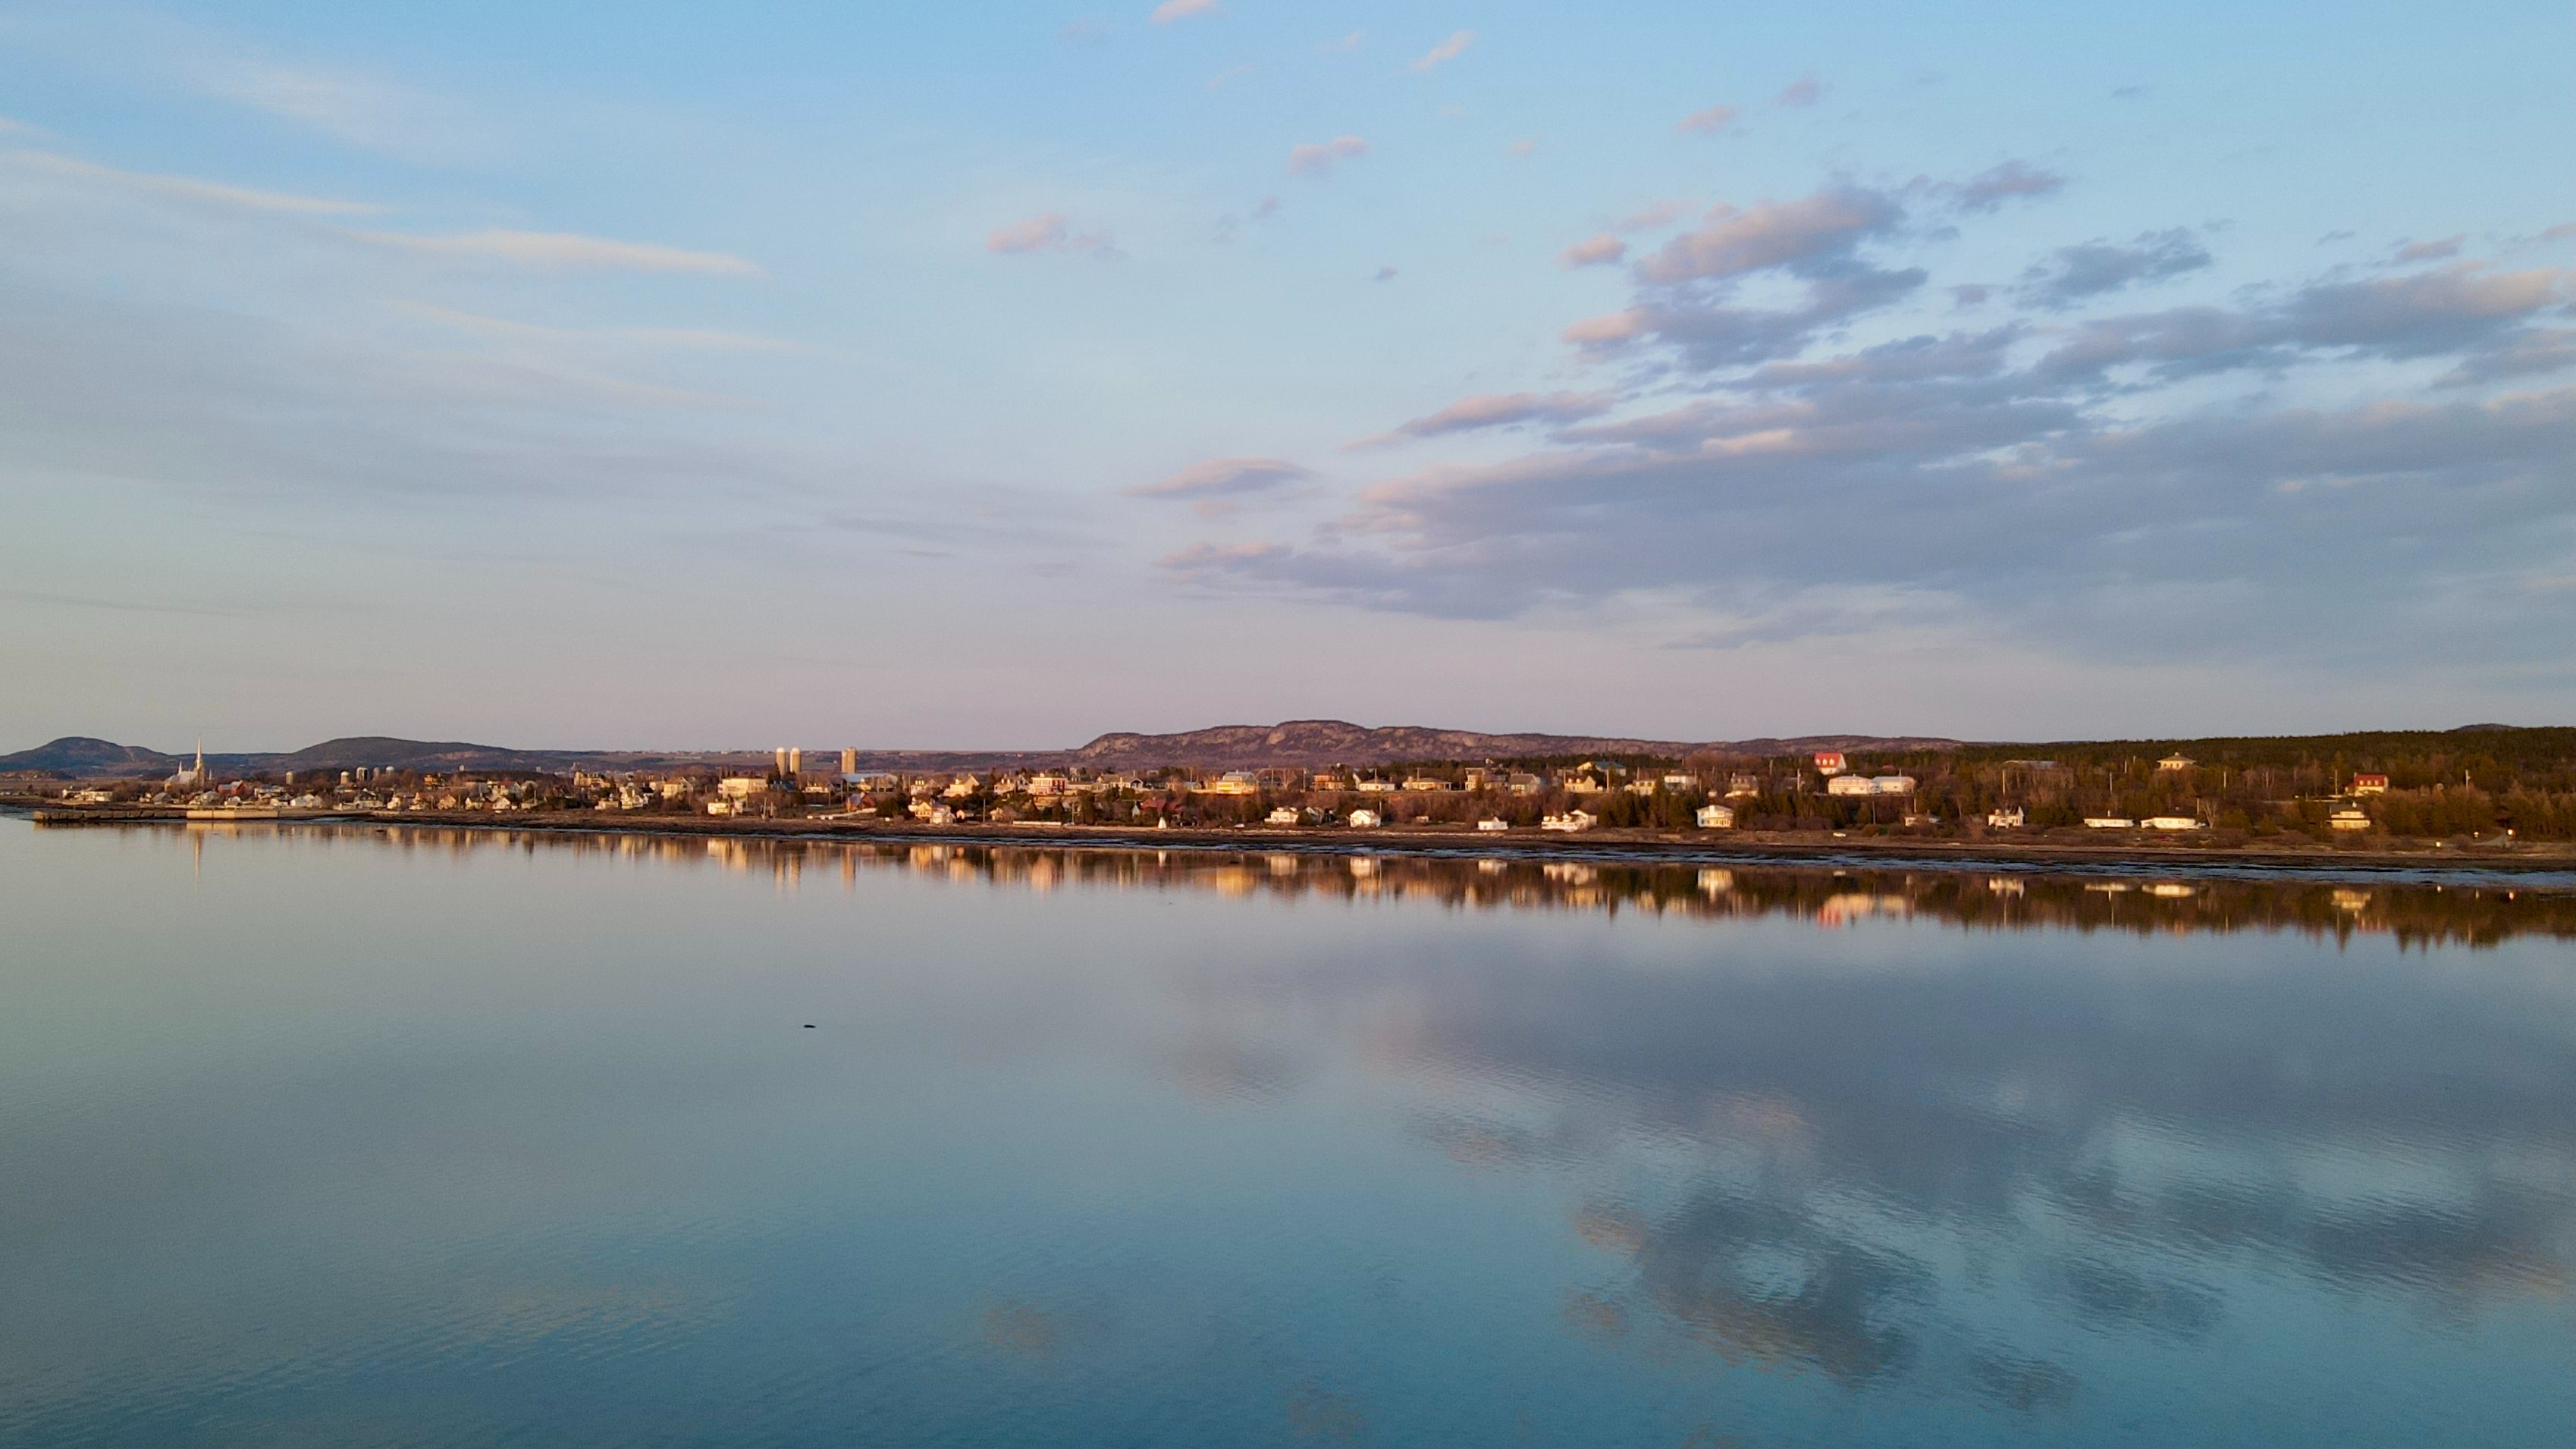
(1311, 742)
(1305, 743)
(81, 755)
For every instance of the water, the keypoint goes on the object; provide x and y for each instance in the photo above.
(369, 1136)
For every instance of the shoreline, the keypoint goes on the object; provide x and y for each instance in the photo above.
(1641, 847)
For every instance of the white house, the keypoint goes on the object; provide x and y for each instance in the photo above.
(2005, 817)
(2173, 822)
(1715, 817)
(1571, 820)
(1493, 823)
(1284, 815)
(2110, 822)
(1365, 820)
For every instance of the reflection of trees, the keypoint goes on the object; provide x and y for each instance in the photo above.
(2416, 915)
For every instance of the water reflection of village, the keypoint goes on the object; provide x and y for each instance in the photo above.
(1995, 1183)
(2417, 915)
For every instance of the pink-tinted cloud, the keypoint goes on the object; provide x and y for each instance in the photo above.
(1317, 158)
(1047, 232)
(1708, 122)
(1447, 50)
(1806, 90)
(1732, 241)
(1171, 10)
(1498, 410)
(1598, 251)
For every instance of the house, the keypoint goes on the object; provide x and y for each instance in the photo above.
(741, 787)
(1493, 823)
(1423, 785)
(1327, 780)
(1044, 785)
(1525, 784)
(1284, 815)
(1478, 777)
(1377, 787)
(1742, 785)
(2005, 818)
(1829, 763)
(1571, 820)
(2110, 822)
(1582, 785)
(1846, 785)
(1678, 783)
(1639, 787)
(1715, 817)
(2370, 784)
(2349, 817)
(2173, 822)
(1891, 784)
(1236, 782)
(961, 787)
(1365, 820)
(2174, 763)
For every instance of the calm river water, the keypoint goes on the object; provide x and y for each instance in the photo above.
(368, 1136)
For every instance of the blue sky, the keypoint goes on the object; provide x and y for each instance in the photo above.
(658, 376)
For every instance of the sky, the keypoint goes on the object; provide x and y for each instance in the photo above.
(657, 376)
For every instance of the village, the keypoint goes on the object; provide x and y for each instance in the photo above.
(2171, 798)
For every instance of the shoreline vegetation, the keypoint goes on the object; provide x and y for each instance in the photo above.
(1641, 846)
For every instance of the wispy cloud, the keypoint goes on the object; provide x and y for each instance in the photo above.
(1047, 232)
(1218, 485)
(1523, 149)
(367, 110)
(2089, 269)
(184, 188)
(696, 339)
(1496, 410)
(1317, 158)
(1595, 252)
(1171, 10)
(567, 250)
(1732, 240)
(1806, 90)
(2013, 180)
(1447, 50)
(1708, 122)
(1221, 79)
(1347, 42)
(2430, 251)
